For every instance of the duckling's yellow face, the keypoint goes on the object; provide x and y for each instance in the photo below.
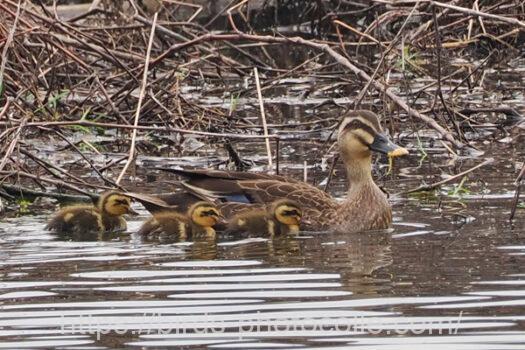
(288, 214)
(116, 204)
(205, 215)
(360, 133)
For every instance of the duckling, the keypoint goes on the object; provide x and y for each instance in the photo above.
(283, 216)
(197, 222)
(82, 218)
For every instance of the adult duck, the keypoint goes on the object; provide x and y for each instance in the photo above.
(365, 207)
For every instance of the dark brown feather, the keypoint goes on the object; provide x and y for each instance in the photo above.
(75, 219)
(167, 223)
(178, 201)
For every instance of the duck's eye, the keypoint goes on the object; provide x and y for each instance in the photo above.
(292, 212)
(361, 131)
(119, 202)
(209, 213)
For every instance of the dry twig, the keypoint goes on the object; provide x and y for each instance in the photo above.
(139, 104)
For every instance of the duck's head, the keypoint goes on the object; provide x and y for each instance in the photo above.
(115, 204)
(360, 133)
(204, 214)
(288, 213)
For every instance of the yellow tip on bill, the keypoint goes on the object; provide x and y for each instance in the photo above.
(398, 152)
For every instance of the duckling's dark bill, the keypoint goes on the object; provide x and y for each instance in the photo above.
(382, 144)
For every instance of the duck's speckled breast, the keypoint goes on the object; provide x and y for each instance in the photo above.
(366, 209)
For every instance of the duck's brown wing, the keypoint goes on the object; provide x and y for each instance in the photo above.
(177, 201)
(252, 188)
(195, 174)
(217, 186)
(230, 209)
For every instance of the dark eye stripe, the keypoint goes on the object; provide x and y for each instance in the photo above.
(357, 124)
(362, 140)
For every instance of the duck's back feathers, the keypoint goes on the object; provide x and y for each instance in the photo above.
(178, 201)
(229, 209)
(76, 219)
(166, 223)
(253, 222)
(234, 186)
(226, 175)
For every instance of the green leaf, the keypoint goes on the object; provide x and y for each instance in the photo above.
(459, 190)
(80, 128)
(23, 205)
(55, 99)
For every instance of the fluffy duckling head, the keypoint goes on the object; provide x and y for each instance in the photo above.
(204, 214)
(115, 204)
(360, 133)
(288, 213)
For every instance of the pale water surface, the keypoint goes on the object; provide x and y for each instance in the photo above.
(449, 274)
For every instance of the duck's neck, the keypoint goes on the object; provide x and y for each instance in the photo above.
(106, 219)
(359, 173)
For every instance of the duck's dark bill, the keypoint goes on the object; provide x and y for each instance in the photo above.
(383, 144)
